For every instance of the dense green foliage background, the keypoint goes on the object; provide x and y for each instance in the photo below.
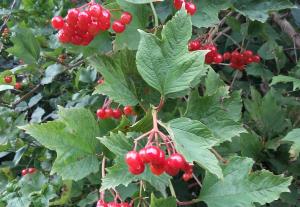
(251, 118)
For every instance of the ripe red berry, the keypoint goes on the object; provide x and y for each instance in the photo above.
(84, 19)
(101, 113)
(157, 170)
(227, 56)
(178, 4)
(143, 156)
(190, 8)
(63, 37)
(105, 16)
(117, 113)
(108, 112)
(125, 18)
(101, 203)
(113, 204)
(194, 45)
(93, 28)
(187, 176)
(153, 154)
(8, 79)
(218, 58)
(256, 59)
(31, 170)
(18, 86)
(72, 16)
(188, 168)
(57, 22)
(118, 26)
(248, 53)
(170, 170)
(133, 159)
(137, 170)
(95, 10)
(100, 81)
(128, 110)
(24, 172)
(176, 160)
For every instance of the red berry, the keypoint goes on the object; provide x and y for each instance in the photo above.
(125, 205)
(72, 16)
(143, 156)
(93, 28)
(194, 45)
(137, 170)
(227, 56)
(187, 176)
(248, 53)
(95, 10)
(256, 59)
(169, 169)
(190, 8)
(100, 81)
(83, 20)
(152, 153)
(117, 113)
(133, 159)
(108, 112)
(118, 26)
(125, 18)
(113, 204)
(101, 113)
(188, 168)
(178, 4)
(77, 40)
(63, 37)
(218, 58)
(8, 79)
(249, 60)
(24, 172)
(128, 110)
(104, 25)
(101, 203)
(57, 22)
(31, 170)
(105, 16)
(176, 160)
(157, 170)
(18, 86)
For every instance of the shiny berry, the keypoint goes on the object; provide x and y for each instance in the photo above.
(18, 86)
(108, 112)
(170, 170)
(194, 45)
(113, 204)
(31, 170)
(72, 16)
(117, 113)
(218, 58)
(137, 169)
(128, 110)
(57, 22)
(152, 153)
(93, 28)
(157, 170)
(84, 18)
(187, 176)
(248, 53)
(100, 81)
(190, 8)
(101, 113)
(105, 16)
(176, 160)
(126, 18)
(178, 4)
(143, 156)
(118, 26)
(95, 10)
(24, 172)
(227, 56)
(188, 168)
(8, 79)
(133, 159)
(256, 59)
(63, 36)
(101, 203)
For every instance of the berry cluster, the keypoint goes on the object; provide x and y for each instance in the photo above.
(8, 80)
(211, 57)
(155, 157)
(81, 25)
(105, 112)
(29, 170)
(102, 203)
(189, 6)
(239, 60)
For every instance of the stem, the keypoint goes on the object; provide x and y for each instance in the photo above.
(160, 105)
(219, 156)
(155, 16)
(102, 194)
(234, 78)
(197, 180)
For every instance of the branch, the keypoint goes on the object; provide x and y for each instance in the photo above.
(287, 28)
(7, 18)
(26, 96)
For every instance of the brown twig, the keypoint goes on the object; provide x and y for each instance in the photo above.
(219, 156)
(26, 96)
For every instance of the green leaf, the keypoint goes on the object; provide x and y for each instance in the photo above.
(251, 146)
(194, 140)
(166, 64)
(259, 9)
(119, 174)
(241, 187)
(117, 72)
(130, 37)
(162, 202)
(26, 47)
(143, 1)
(208, 16)
(73, 137)
(51, 72)
(294, 137)
(286, 79)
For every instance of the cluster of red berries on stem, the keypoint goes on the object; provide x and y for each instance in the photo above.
(238, 60)
(105, 112)
(212, 57)
(102, 203)
(155, 156)
(190, 7)
(82, 24)
(29, 170)
(8, 80)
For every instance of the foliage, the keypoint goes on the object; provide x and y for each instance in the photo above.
(239, 128)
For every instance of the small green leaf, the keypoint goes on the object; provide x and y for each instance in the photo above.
(194, 140)
(51, 72)
(241, 187)
(294, 137)
(162, 202)
(286, 79)
(166, 64)
(73, 137)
